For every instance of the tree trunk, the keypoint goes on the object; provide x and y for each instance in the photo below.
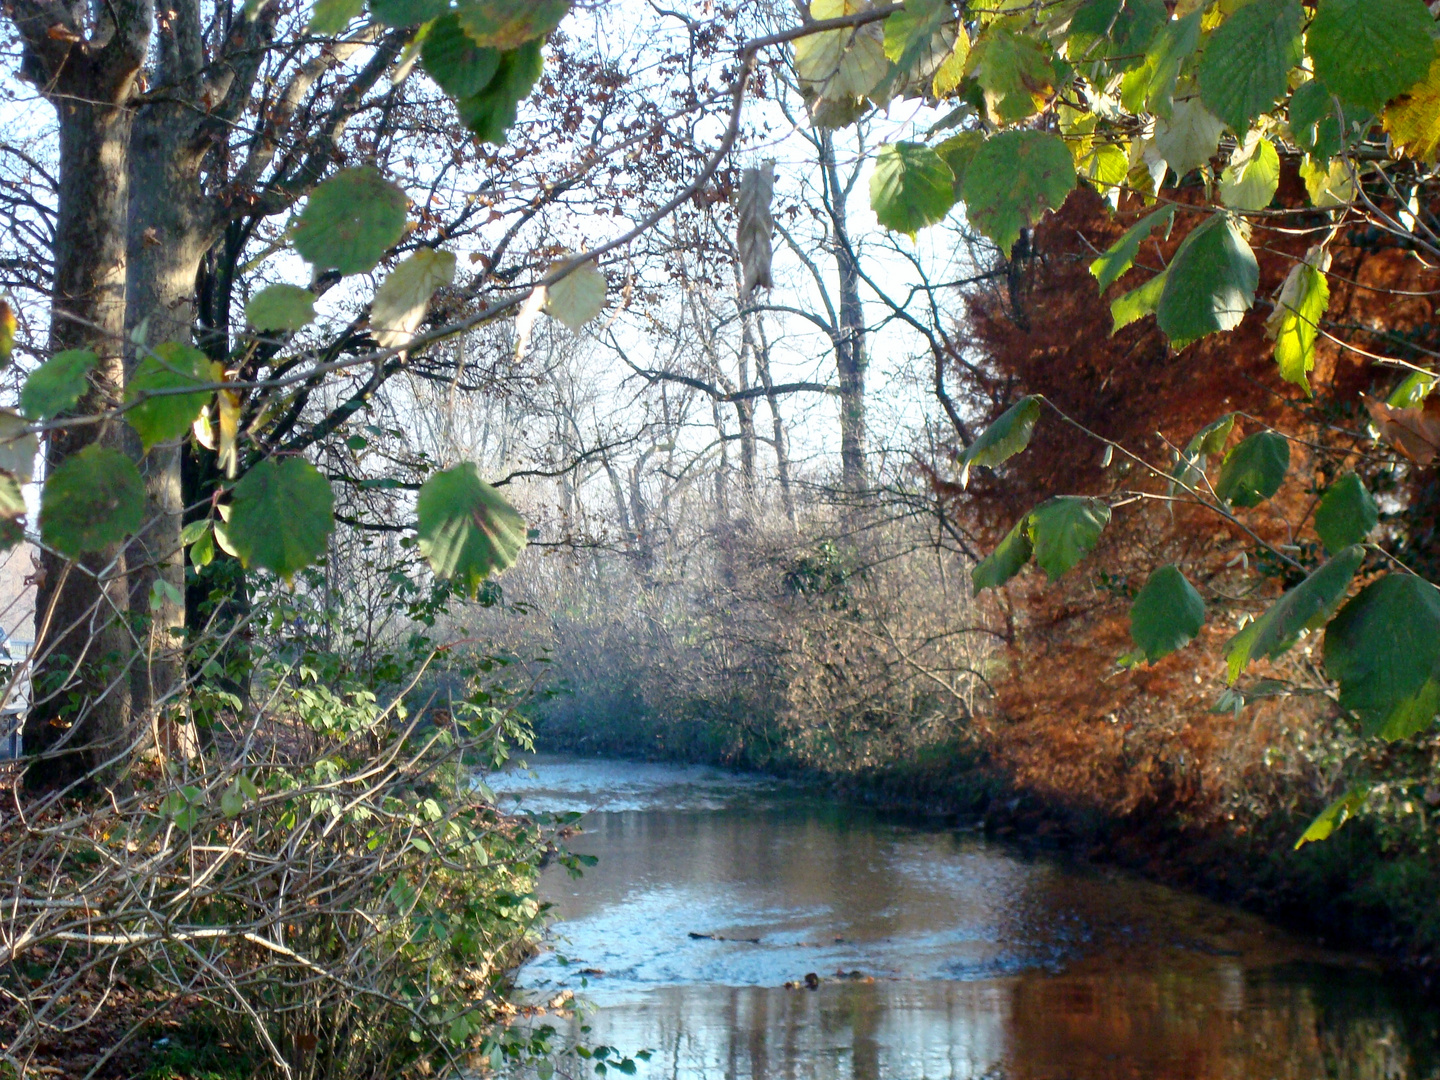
(169, 234)
(79, 722)
(850, 358)
(754, 330)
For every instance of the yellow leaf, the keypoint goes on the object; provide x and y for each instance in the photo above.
(841, 65)
(7, 332)
(577, 297)
(401, 301)
(229, 403)
(952, 68)
(1328, 185)
(1413, 119)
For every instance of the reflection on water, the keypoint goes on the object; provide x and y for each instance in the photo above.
(940, 955)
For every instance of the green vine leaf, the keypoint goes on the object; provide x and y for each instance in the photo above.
(911, 187)
(1368, 51)
(1248, 59)
(1002, 440)
(1210, 284)
(467, 530)
(1150, 87)
(56, 385)
(489, 114)
(1007, 560)
(159, 414)
(1254, 469)
(1120, 257)
(1346, 514)
(280, 307)
(1335, 815)
(1295, 323)
(1252, 177)
(508, 24)
(1065, 529)
(452, 59)
(1305, 607)
(1015, 178)
(1166, 615)
(280, 516)
(94, 499)
(1384, 651)
(1016, 74)
(350, 221)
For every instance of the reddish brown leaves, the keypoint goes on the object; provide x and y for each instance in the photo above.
(1415, 432)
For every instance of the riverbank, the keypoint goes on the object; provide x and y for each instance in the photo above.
(1359, 889)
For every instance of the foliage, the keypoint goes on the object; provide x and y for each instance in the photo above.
(1237, 93)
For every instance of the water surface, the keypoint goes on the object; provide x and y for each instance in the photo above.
(938, 954)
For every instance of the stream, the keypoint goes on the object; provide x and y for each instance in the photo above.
(938, 953)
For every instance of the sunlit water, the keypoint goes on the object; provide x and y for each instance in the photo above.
(985, 963)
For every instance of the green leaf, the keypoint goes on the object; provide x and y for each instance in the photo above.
(958, 152)
(280, 516)
(350, 221)
(1295, 323)
(1384, 651)
(232, 801)
(918, 40)
(1313, 122)
(329, 17)
(57, 384)
(1114, 29)
(1210, 283)
(1108, 268)
(166, 416)
(1251, 179)
(1008, 558)
(1335, 815)
(1254, 469)
(1305, 607)
(1188, 138)
(1247, 60)
(1211, 439)
(280, 307)
(1346, 514)
(1368, 51)
(1413, 389)
(1015, 72)
(1065, 529)
(1002, 440)
(202, 551)
(1166, 615)
(1015, 177)
(489, 114)
(1205, 443)
(911, 187)
(408, 12)
(452, 59)
(508, 24)
(94, 499)
(466, 528)
(1151, 86)
(1137, 303)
